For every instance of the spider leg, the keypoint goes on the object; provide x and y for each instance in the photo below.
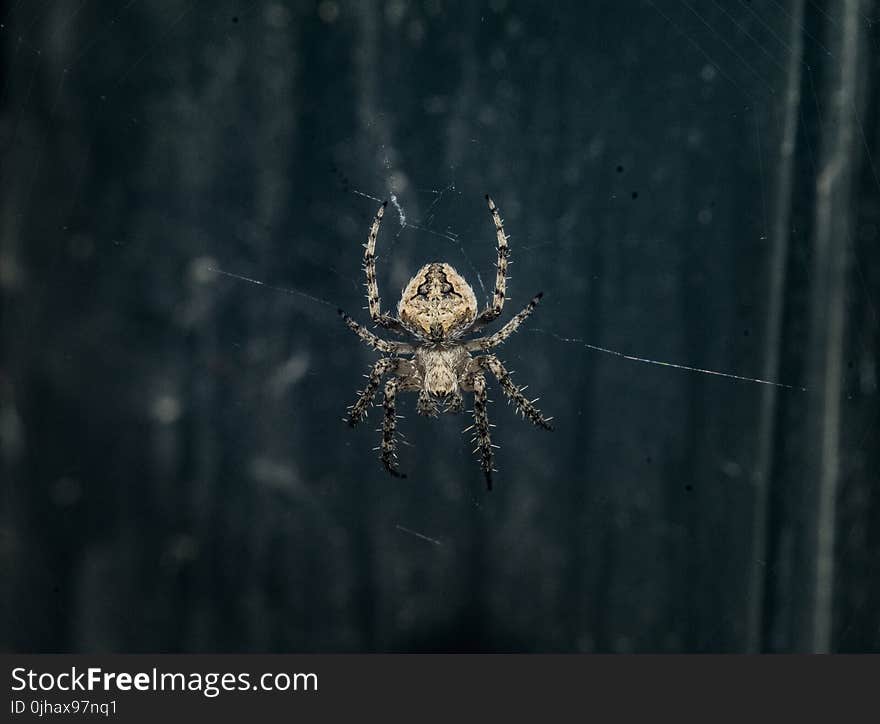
(481, 428)
(426, 406)
(383, 320)
(373, 341)
(454, 403)
(487, 343)
(389, 425)
(493, 311)
(491, 363)
(358, 411)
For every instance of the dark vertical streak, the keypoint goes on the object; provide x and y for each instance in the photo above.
(779, 235)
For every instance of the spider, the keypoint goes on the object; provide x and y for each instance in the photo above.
(438, 308)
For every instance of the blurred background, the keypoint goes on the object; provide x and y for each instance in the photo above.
(689, 183)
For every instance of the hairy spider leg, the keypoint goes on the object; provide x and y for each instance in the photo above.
(358, 411)
(493, 311)
(481, 428)
(425, 405)
(372, 340)
(486, 343)
(374, 302)
(388, 453)
(491, 363)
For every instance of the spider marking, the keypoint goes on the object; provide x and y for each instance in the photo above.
(437, 308)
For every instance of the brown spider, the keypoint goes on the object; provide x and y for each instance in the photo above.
(438, 307)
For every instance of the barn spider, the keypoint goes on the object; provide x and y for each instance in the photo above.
(438, 307)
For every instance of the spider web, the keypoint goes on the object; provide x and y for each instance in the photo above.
(454, 239)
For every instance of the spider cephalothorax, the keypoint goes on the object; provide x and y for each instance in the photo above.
(438, 307)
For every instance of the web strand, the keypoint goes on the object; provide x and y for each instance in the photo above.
(292, 292)
(571, 340)
(419, 535)
(674, 365)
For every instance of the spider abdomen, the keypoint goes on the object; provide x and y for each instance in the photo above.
(437, 303)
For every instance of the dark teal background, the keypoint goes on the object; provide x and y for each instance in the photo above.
(694, 183)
